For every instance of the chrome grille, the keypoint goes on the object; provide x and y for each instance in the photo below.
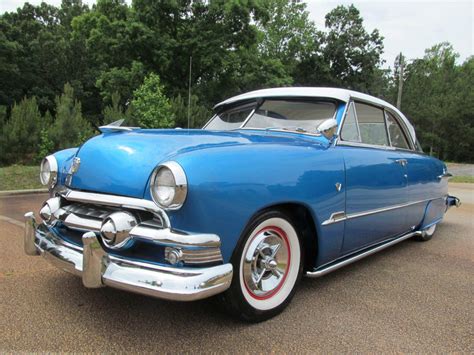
(85, 212)
(89, 211)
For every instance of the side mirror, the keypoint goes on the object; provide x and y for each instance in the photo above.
(328, 128)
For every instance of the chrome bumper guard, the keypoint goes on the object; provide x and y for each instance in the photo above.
(98, 268)
(452, 201)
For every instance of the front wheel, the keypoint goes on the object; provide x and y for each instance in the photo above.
(267, 267)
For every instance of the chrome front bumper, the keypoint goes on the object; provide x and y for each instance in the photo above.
(98, 268)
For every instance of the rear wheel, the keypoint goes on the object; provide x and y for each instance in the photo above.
(267, 267)
(427, 234)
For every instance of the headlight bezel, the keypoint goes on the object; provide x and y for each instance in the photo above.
(180, 186)
(53, 171)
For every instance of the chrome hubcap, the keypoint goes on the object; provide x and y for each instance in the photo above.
(266, 263)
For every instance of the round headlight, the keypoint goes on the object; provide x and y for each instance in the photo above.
(49, 171)
(169, 185)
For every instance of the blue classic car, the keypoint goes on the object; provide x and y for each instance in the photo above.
(279, 183)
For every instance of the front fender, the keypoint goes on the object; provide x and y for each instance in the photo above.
(228, 185)
(64, 159)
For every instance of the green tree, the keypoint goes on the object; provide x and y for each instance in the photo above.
(352, 54)
(20, 136)
(199, 114)
(152, 109)
(426, 95)
(69, 129)
(287, 33)
(122, 81)
(115, 111)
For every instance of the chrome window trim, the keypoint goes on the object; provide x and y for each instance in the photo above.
(386, 127)
(360, 144)
(248, 117)
(364, 145)
(209, 121)
(404, 130)
(343, 120)
(385, 108)
(337, 216)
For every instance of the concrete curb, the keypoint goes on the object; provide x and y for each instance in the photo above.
(12, 221)
(22, 192)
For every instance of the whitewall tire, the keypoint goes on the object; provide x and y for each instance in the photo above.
(267, 266)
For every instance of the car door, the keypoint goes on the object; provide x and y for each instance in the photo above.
(376, 179)
(426, 182)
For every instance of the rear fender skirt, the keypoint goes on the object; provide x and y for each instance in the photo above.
(434, 212)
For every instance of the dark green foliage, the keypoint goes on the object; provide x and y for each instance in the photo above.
(438, 97)
(46, 145)
(69, 129)
(106, 52)
(198, 114)
(115, 110)
(20, 134)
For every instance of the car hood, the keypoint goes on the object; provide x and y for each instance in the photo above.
(121, 162)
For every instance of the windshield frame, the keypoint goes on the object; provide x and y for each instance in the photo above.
(260, 101)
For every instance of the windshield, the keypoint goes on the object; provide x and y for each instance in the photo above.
(298, 115)
(291, 114)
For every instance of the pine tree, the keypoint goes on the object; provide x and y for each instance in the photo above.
(69, 129)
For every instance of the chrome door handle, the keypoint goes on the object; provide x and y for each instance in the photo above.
(402, 162)
(444, 175)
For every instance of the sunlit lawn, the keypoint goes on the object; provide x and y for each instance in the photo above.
(19, 177)
(469, 179)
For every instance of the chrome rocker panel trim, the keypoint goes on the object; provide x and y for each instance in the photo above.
(326, 269)
(97, 268)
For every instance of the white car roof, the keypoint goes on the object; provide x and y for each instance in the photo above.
(325, 92)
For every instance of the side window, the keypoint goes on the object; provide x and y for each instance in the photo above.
(397, 137)
(371, 124)
(350, 131)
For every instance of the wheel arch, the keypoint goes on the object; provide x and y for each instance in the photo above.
(304, 222)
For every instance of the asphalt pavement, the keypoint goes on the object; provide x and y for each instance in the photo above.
(412, 297)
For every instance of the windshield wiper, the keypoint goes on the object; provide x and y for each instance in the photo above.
(292, 129)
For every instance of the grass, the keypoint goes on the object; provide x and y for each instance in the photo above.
(468, 179)
(19, 177)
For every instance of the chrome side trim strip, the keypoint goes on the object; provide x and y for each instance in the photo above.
(117, 201)
(364, 145)
(338, 216)
(326, 269)
(335, 217)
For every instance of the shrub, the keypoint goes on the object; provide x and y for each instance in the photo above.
(69, 129)
(20, 134)
(151, 108)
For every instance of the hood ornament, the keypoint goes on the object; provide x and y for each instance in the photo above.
(116, 126)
